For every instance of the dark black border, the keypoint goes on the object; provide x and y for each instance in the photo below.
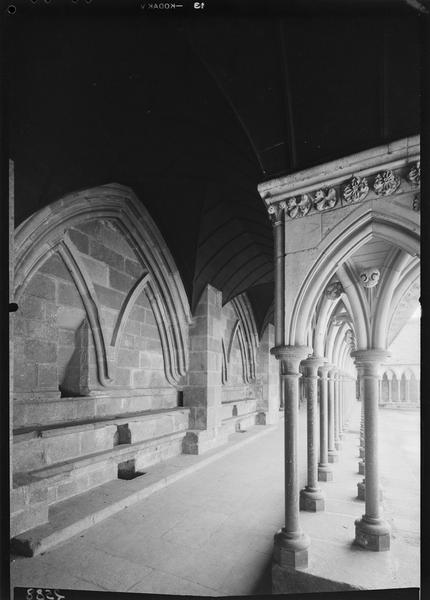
(41, 9)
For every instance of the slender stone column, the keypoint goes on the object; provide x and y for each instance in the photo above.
(407, 390)
(341, 383)
(371, 531)
(312, 497)
(281, 394)
(325, 472)
(333, 454)
(345, 395)
(291, 544)
(390, 390)
(337, 442)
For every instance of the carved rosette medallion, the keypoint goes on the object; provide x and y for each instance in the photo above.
(356, 190)
(386, 183)
(334, 290)
(370, 277)
(325, 199)
(276, 212)
(298, 207)
(414, 175)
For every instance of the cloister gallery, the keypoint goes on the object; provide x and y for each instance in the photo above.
(180, 312)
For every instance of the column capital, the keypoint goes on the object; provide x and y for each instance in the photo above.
(276, 212)
(292, 353)
(313, 363)
(331, 370)
(324, 369)
(369, 361)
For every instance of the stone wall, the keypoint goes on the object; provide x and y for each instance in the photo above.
(104, 343)
(224, 388)
(54, 345)
(268, 377)
(241, 388)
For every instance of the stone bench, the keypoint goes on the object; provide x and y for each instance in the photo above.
(36, 447)
(27, 413)
(240, 422)
(54, 475)
(237, 407)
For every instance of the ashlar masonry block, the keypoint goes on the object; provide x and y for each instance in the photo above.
(202, 392)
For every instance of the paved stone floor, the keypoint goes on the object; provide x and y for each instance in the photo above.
(211, 533)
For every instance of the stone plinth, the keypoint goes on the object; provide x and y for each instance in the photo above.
(372, 536)
(290, 550)
(325, 473)
(312, 501)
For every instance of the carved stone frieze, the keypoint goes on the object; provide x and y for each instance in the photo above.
(334, 290)
(276, 212)
(299, 207)
(370, 277)
(325, 199)
(356, 190)
(351, 191)
(414, 175)
(386, 183)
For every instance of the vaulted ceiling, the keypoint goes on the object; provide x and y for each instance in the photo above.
(192, 114)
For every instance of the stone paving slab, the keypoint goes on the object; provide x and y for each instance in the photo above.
(211, 533)
(72, 516)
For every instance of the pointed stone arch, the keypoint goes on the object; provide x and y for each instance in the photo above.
(43, 233)
(359, 227)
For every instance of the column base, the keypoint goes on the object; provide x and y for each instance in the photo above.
(361, 467)
(312, 500)
(333, 456)
(291, 550)
(338, 445)
(325, 473)
(361, 452)
(361, 491)
(372, 536)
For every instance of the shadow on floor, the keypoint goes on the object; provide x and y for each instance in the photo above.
(308, 587)
(263, 587)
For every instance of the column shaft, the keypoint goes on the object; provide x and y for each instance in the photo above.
(332, 452)
(291, 543)
(325, 472)
(371, 531)
(371, 445)
(407, 391)
(291, 409)
(312, 498)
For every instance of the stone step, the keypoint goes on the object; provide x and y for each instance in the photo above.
(72, 516)
(400, 405)
(240, 422)
(37, 490)
(33, 412)
(36, 448)
(234, 408)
